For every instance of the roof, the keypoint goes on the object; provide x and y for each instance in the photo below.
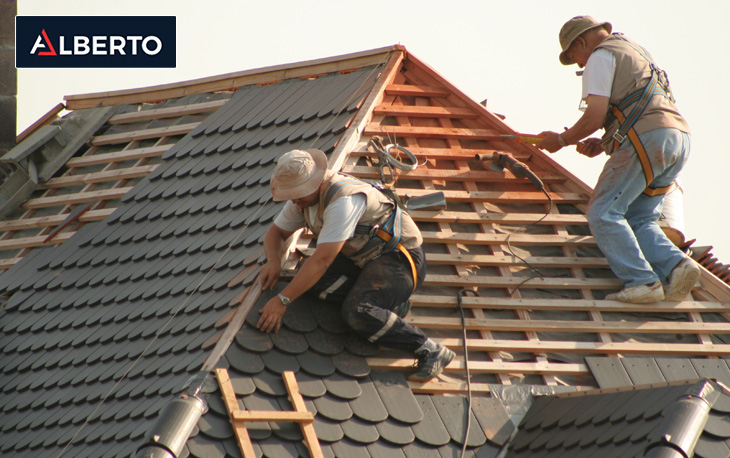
(628, 423)
(149, 286)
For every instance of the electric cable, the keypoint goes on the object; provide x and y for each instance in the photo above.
(459, 296)
(523, 260)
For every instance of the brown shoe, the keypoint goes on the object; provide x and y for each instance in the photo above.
(642, 294)
(682, 279)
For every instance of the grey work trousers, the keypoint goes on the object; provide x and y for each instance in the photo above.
(368, 296)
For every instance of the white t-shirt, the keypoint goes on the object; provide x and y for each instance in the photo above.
(340, 218)
(598, 74)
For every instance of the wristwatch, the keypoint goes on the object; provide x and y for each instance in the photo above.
(561, 140)
(284, 300)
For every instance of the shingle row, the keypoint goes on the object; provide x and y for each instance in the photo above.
(359, 412)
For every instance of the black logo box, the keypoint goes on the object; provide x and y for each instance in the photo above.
(163, 48)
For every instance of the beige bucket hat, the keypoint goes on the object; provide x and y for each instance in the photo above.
(573, 29)
(298, 173)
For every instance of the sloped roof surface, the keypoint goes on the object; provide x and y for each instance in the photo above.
(359, 411)
(129, 306)
(624, 422)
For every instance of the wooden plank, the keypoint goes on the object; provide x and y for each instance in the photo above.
(504, 197)
(496, 218)
(6, 264)
(143, 134)
(170, 112)
(516, 239)
(417, 91)
(124, 155)
(48, 221)
(310, 435)
(482, 367)
(251, 295)
(272, 415)
(448, 153)
(42, 121)
(494, 120)
(352, 136)
(31, 242)
(635, 327)
(498, 303)
(422, 173)
(81, 197)
(436, 386)
(229, 398)
(424, 111)
(611, 348)
(436, 132)
(506, 260)
(98, 177)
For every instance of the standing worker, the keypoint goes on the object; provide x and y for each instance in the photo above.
(648, 142)
(368, 258)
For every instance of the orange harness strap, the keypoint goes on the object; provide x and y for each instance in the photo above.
(643, 157)
(386, 237)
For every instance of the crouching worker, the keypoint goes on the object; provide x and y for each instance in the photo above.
(368, 257)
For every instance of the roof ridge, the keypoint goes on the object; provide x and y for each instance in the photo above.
(229, 81)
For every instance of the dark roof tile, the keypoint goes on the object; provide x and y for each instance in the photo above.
(328, 430)
(385, 450)
(333, 408)
(351, 365)
(360, 431)
(342, 387)
(431, 429)
(676, 369)
(452, 412)
(310, 386)
(397, 396)
(325, 343)
(315, 364)
(270, 383)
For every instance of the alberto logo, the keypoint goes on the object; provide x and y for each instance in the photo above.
(94, 41)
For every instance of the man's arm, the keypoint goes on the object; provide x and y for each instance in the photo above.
(273, 243)
(310, 272)
(592, 120)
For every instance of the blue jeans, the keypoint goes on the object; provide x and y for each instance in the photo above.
(624, 220)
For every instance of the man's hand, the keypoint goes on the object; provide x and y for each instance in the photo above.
(550, 143)
(269, 275)
(590, 147)
(271, 315)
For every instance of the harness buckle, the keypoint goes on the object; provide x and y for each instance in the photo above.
(618, 137)
(373, 230)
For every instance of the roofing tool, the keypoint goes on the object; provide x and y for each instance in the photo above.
(524, 138)
(519, 169)
(387, 157)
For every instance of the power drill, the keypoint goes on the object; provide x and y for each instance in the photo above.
(517, 168)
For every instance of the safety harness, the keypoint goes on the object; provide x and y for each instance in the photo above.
(640, 99)
(389, 234)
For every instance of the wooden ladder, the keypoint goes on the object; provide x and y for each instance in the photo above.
(239, 417)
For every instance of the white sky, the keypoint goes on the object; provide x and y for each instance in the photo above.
(502, 51)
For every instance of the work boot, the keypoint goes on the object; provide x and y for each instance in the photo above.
(402, 309)
(682, 279)
(432, 359)
(642, 294)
